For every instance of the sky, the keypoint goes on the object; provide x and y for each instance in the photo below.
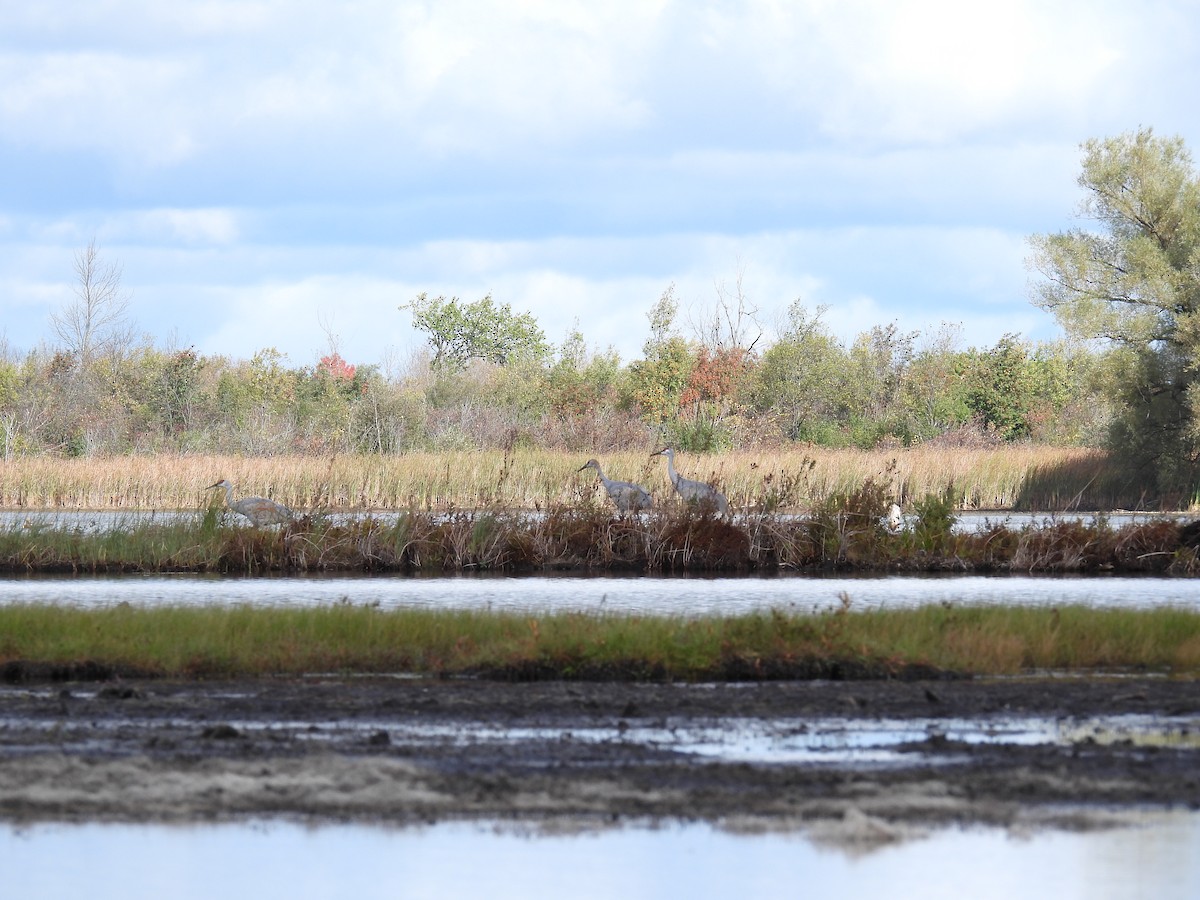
(289, 173)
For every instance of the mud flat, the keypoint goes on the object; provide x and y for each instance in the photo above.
(866, 760)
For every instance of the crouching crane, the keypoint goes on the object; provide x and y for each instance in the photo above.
(259, 510)
(693, 491)
(627, 497)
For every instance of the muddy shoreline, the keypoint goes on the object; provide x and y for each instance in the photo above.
(567, 754)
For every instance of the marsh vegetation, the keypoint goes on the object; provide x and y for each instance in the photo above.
(935, 641)
(844, 532)
(1023, 476)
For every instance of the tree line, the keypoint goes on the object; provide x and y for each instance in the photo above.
(887, 387)
(1125, 286)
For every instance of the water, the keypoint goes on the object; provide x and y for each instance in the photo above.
(1155, 858)
(616, 595)
(92, 521)
(833, 742)
(623, 595)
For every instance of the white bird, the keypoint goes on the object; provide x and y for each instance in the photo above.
(627, 496)
(895, 519)
(693, 491)
(259, 510)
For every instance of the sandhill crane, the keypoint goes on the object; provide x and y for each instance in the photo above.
(259, 510)
(693, 491)
(628, 497)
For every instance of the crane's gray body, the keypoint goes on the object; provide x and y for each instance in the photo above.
(259, 510)
(696, 492)
(625, 495)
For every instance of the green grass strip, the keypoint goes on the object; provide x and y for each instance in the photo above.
(243, 641)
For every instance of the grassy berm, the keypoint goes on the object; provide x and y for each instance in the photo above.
(39, 642)
(845, 533)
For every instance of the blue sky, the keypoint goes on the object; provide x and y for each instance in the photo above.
(271, 173)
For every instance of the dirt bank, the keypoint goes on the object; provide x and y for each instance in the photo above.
(583, 754)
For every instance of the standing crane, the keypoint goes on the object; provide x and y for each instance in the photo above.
(259, 510)
(693, 491)
(627, 496)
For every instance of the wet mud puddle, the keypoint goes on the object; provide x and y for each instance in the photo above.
(832, 740)
(1009, 753)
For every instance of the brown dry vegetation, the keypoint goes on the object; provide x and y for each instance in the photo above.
(845, 532)
(1014, 476)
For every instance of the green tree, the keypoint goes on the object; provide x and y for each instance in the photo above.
(800, 380)
(879, 363)
(460, 332)
(581, 381)
(177, 390)
(390, 418)
(935, 397)
(15, 394)
(1001, 387)
(324, 404)
(657, 382)
(1132, 281)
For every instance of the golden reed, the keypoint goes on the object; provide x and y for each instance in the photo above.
(1020, 476)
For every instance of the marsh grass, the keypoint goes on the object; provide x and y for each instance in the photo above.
(845, 532)
(1015, 476)
(240, 641)
(140, 547)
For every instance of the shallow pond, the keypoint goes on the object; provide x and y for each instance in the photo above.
(1154, 858)
(617, 595)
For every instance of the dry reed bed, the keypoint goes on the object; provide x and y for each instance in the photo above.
(1019, 476)
(846, 533)
(69, 643)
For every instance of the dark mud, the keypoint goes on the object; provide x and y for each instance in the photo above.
(554, 754)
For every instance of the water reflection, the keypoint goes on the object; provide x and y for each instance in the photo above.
(1153, 859)
(618, 595)
(809, 740)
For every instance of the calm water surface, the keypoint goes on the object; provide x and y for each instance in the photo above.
(1157, 859)
(633, 595)
(628, 595)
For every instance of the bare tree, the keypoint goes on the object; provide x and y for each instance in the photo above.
(732, 323)
(95, 323)
(332, 338)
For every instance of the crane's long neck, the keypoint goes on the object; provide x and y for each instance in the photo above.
(228, 494)
(671, 469)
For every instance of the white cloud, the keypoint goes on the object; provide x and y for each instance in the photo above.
(126, 107)
(946, 62)
(373, 90)
(258, 165)
(182, 226)
(607, 285)
(932, 71)
(479, 81)
(455, 77)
